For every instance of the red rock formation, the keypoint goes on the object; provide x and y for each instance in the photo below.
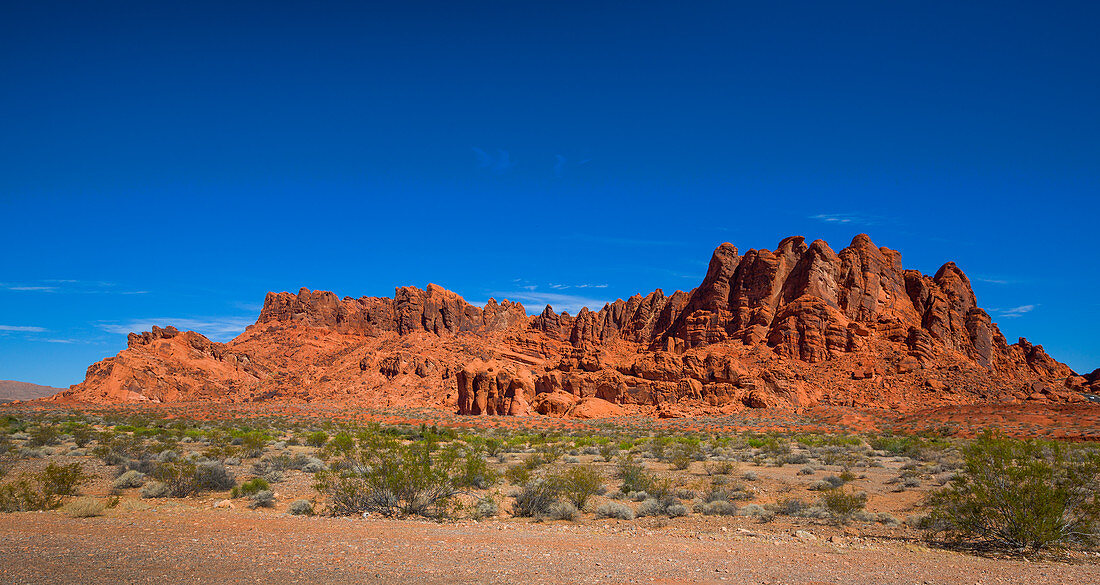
(790, 328)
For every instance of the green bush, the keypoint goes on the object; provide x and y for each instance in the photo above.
(536, 496)
(394, 479)
(579, 483)
(476, 473)
(185, 478)
(317, 439)
(1020, 495)
(518, 474)
(253, 443)
(842, 505)
(633, 475)
(44, 434)
(43, 490)
(250, 487)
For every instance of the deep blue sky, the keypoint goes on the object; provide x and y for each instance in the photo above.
(171, 165)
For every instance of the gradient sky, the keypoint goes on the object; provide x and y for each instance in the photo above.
(171, 164)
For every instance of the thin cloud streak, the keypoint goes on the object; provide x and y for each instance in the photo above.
(216, 328)
(22, 328)
(1015, 311)
(535, 301)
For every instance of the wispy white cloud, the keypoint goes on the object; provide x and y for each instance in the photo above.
(22, 328)
(559, 164)
(1014, 312)
(69, 286)
(990, 280)
(499, 162)
(847, 218)
(217, 328)
(534, 301)
(33, 288)
(559, 286)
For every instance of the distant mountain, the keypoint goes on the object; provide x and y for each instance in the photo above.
(12, 390)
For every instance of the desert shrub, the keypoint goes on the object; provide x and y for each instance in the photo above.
(185, 478)
(535, 497)
(579, 483)
(727, 493)
(44, 434)
(608, 451)
(84, 508)
(760, 513)
(683, 454)
(82, 435)
(341, 444)
(129, 479)
(156, 489)
(312, 465)
(1020, 495)
(518, 474)
(667, 506)
(800, 458)
(300, 508)
(716, 508)
(638, 496)
(262, 499)
(393, 479)
(213, 476)
(545, 455)
(806, 470)
(750, 476)
(887, 519)
(615, 510)
(250, 487)
(633, 475)
(253, 443)
(317, 439)
(562, 511)
(676, 510)
(790, 506)
(486, 506)
(721, 468)
(43, 490)
(842, 505)
(476, 473)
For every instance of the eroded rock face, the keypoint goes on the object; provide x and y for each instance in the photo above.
(494, 388)
(790, 328)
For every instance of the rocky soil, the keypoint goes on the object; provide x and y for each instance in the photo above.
(182, 544)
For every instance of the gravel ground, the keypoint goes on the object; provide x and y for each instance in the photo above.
(177, 543)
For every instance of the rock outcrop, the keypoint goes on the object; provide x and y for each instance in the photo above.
(791, 328)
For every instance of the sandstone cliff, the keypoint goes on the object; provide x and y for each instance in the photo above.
(791, 328)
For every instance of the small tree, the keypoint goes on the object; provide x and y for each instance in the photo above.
(1020, 495)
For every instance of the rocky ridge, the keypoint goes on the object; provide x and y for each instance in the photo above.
(791, 328)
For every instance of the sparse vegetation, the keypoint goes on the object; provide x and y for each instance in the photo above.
(1020, 496)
